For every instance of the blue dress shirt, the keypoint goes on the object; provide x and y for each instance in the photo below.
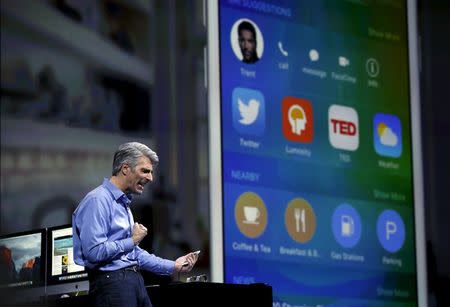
(102, 228)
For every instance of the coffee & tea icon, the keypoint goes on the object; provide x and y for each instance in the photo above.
(251, 215)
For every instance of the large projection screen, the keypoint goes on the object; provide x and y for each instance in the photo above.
(315, 152)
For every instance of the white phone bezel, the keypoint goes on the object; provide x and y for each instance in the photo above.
(215, 146)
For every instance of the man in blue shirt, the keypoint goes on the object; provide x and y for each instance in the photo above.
(106, 238)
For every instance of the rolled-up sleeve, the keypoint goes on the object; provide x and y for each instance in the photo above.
(152, 263)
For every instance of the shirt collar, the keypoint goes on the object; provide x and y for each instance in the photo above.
(118, 195)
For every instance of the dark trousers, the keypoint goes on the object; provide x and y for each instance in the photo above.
(118, 288)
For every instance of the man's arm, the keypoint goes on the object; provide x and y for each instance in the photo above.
(154, 264)
(92, 221)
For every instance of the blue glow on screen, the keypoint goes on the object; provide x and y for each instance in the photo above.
(307, 178)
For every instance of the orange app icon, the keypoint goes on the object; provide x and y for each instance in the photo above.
(298, 123)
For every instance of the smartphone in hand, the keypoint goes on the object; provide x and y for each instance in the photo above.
(186, 263)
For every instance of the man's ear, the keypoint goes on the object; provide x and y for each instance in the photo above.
(125, 169)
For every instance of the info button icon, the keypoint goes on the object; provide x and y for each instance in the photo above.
(372, 67)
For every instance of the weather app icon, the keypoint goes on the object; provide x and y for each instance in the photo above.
(387, 135)
(248, 111)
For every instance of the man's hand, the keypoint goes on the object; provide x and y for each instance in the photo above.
(186, 263)
(139, 232)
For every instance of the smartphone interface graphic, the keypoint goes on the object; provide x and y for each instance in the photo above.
(316, 151)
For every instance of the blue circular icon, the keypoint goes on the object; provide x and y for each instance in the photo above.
(346, 225)
(391, 230)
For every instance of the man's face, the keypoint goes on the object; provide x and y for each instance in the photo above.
(138, 177)
(247, 43)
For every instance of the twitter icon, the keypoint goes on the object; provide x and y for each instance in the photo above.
(248, 111)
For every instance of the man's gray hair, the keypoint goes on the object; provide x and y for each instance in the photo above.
(130, 153)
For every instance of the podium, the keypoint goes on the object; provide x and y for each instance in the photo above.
(202, 294)
(186, 294)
